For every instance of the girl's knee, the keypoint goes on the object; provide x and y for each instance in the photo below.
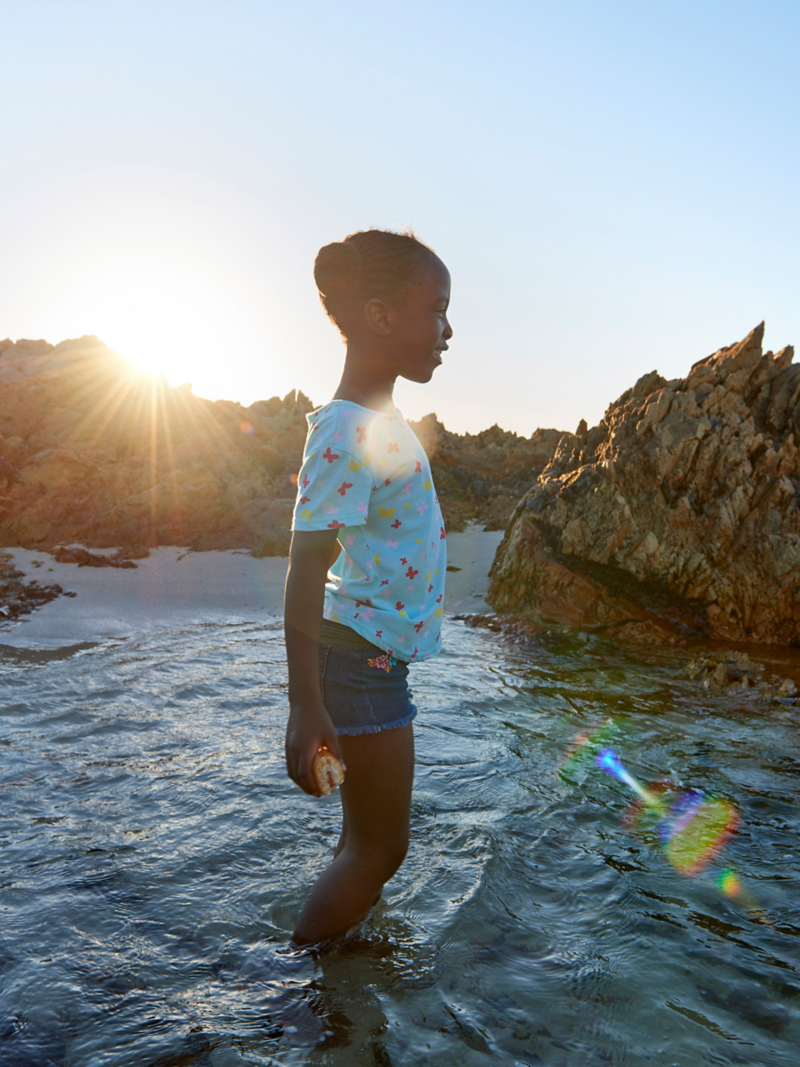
(382, 857)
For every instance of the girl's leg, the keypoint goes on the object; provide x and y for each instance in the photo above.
(376, 800)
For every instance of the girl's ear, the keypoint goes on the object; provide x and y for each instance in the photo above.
(377, 315)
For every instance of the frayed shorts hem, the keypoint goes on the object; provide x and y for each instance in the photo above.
(354, 731)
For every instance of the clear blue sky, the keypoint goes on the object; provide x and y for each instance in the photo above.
(614, 186)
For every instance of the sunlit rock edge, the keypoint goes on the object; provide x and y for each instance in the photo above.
(676, 515)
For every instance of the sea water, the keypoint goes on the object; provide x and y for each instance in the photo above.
(155, 856)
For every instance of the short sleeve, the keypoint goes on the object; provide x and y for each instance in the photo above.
(333, 487)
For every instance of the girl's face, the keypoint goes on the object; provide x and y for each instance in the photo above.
(420, 330)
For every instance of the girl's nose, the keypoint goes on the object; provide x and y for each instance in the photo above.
(448, 330)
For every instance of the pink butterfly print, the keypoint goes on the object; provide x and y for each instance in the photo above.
(368, 614)
(406, 490)
(418, 468)
(362, 434)
(411, 573)
(422, 509)
(344, 487)
(393, 446)
(350, 539)
(335, 525)
(337, 436)
(396, 523)
(348, 415)
(330, 456)
(392, 544)
(362, 507)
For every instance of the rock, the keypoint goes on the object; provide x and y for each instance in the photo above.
(479, 477)
(18, 597)
(680, 508)
(93, 454)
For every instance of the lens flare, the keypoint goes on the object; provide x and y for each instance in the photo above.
(691, 828)
(585, 747)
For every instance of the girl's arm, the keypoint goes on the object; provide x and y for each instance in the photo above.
(309, 726)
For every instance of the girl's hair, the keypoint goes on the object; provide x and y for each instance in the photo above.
(365, 265)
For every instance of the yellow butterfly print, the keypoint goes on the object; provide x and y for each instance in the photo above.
(306, 514)
(354, 465)
(387, 513)
(427, 484)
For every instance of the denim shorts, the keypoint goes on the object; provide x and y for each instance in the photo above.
(363, 689)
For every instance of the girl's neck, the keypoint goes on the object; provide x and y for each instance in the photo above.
(364, 382)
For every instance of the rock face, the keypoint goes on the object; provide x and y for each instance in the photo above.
(91, 452)
(479, 477)
(94, 454)
(680, 509)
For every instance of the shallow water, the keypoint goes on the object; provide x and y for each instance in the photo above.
(155, 856)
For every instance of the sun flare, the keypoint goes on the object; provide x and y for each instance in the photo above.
(168, 321)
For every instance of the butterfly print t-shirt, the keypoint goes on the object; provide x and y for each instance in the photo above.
(366, 476)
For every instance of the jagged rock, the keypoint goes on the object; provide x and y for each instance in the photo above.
(679, 508)
(479, 477)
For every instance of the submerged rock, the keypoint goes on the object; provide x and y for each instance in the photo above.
(678, 512)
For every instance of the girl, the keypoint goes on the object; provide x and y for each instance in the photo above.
(365, 585)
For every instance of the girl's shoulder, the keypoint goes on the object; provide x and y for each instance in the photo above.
(348, 426)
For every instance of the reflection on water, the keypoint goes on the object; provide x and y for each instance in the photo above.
(155, 856)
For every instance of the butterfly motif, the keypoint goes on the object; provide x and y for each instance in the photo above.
(344, 487)
(330, 456)
(387, 513)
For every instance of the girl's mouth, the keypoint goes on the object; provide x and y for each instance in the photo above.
(437, 354)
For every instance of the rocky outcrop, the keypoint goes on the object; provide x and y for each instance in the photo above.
(677, 512)
(92, 453)
(479, 477)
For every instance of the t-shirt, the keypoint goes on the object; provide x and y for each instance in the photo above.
(366, 475)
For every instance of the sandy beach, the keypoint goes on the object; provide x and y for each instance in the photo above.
(173, 585)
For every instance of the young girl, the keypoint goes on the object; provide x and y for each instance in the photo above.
(365, 587)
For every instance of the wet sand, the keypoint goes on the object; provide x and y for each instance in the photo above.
(174, 584)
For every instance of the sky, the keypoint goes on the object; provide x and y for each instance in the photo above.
(614, 187)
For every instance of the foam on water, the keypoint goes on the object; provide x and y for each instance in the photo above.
(155, 856)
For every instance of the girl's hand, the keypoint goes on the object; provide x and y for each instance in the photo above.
(309, 729)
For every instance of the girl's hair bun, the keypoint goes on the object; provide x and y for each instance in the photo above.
(337, 268)
(367, 264)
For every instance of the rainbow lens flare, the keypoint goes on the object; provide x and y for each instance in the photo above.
(586, 746)
(692, 828)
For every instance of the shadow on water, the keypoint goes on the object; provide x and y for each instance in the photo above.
(11, 656)
(154, 857)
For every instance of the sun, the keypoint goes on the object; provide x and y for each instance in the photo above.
(170, 321)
